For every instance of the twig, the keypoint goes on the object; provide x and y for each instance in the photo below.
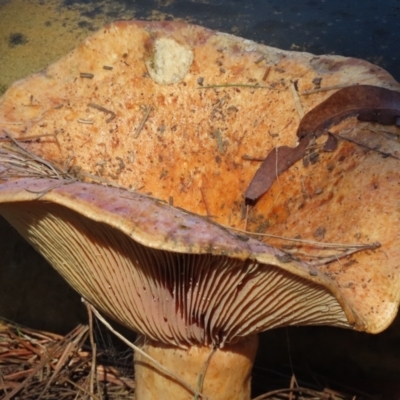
(327, 88)
(87, 75)
(104, 110)
(43, 192)
(306, 241)
(293, 390)
(297, 101)
(336, 257)
(85, 121)
(383, 153)
(202, 374)
(142, 122)
(30, 137)
(93, 396)
(94, 352)
(244, 85)
(144, 354)
(251, 158)
(203, 197)
(266, 73)
(219, 141)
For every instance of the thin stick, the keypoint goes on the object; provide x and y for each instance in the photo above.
(41, 193)
(336, 257)
(104, 110)
(297, 101)
(292, 382)
(87, 75)
(295, 390)
(266, 73)
(94, 352)
(251, 158)
(31, 137)
(93, 396)
(2, 384)
(144, 354)
(203, 197)
(11, 123)
(305, 241)
(244, 85)
(385, 154)
(327, 88)
(142, 122)
(85, 121)
(246, 220)
(219, 141)
(202, 374)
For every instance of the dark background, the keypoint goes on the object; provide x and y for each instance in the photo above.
(367, 29)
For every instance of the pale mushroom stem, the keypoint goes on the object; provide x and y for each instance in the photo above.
(226, 375)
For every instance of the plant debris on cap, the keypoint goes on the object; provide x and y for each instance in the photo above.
(367, 103)
(108, 117)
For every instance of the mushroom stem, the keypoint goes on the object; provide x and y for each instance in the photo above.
(221, 375)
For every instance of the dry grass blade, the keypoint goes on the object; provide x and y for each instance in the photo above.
(31, 155)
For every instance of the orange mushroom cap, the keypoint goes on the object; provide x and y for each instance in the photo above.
(178, 111)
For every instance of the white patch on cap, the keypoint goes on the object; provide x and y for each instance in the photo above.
(170, 61)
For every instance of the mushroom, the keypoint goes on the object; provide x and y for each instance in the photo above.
(125, 164)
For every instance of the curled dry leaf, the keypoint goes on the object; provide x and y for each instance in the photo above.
(366, 102)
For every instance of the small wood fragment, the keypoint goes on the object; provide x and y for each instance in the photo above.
(219, 142)
(143, 121)
(87, 75)
(104, 110)
(266, 73)
(85, 121)
(327, 88)
(297, 101)
(251, 158)
(233, 85)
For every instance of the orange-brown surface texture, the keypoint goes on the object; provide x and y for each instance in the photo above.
(189, 142)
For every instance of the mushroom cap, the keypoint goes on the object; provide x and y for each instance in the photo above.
(176, 111)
